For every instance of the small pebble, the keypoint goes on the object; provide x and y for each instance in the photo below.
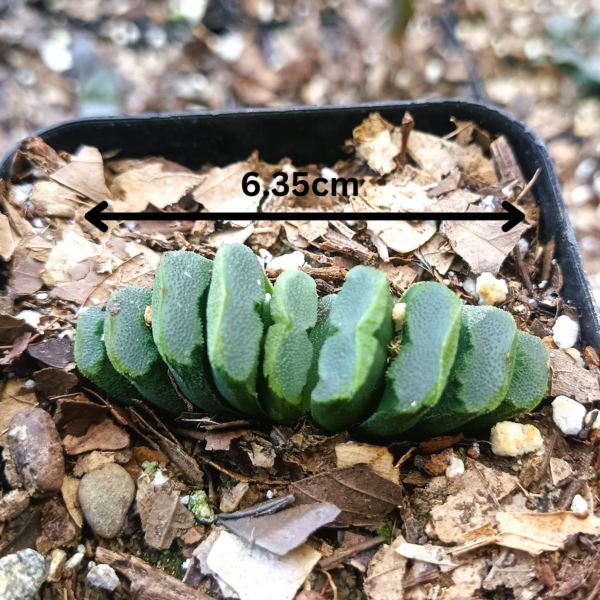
(469, 285)
(491, 291)
(41, 296)
(57, 565)
(568, 415)
(22, 575)
(455, 467)
(105, 496)
(328, 173)
(398, 315)
(287, 262)
(490, 203)
(31, 317)
(585, 169)
(159, 479)
(523, 247)
(579, 506)
(515, 439)
(37, 451)
(13, 504)
(565, 332)
(75, 560)
(270, 495)
(582, 194)
(103, 577)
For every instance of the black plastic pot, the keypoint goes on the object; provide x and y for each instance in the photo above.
(316, 135)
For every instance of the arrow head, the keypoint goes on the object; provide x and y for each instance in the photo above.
(94, 216)
(515, 216)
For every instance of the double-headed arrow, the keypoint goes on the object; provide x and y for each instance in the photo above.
(513, 216)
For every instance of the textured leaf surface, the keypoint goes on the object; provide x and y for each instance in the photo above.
(92, 359)
(353, 359)
(319, 333)
(527, 386)
(234, 314)
(131, 349)
(418, 375)
(178, 326)
(288, 350)
(482, 370)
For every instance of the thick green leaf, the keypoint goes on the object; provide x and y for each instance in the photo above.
(320, 332)
(178, 325)
(418, 375)
(288, 351)
(235, 311)
(527, 387)
(131, 349)
(353, 360)
(481, 374)
(92, 359)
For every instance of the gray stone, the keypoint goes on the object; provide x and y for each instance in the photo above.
(36, 450)
(21, 575)
(105, 496)
(103, 577)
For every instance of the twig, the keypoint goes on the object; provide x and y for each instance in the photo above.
(545, 464)
(265, 508)
(547, 260)
(572, 490)
(237, 476)
(524, 274)
(341, 555)
(188, 404)
(114, 413)
(331, 583)
(528, 186)
(594, 593)
(158, 422)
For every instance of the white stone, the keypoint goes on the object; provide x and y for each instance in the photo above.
(56, 55)
(490, 203)
(455, 467)
(328, 173)
(515, 439)
(523, 247)
(491, 291)
(398, 315)
(565, 332)
(469, 285)
(585, 169)
(31, 317)
(582, 194)
(103, 577)
(568, 415)
(159, 479)
(579, 506)
(287, 262)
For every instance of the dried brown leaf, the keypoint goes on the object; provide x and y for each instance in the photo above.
(384, 580)
(84, 174)
(364, 497)
(482, 244)
(379, 458)
(102, 436)
(569, 378)
(542, 532)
